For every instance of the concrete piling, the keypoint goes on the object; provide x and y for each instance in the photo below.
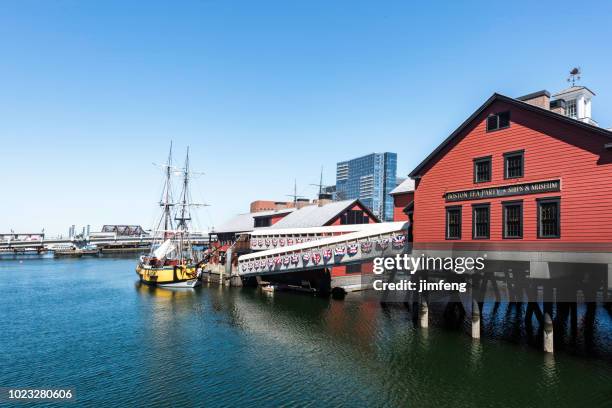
(548, 334)
(475, 320)
(423, 314)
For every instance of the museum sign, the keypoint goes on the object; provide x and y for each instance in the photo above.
(504, 191)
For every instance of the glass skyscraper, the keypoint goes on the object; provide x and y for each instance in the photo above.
(369, 178)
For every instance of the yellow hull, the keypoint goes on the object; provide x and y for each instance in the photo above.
(166, 275)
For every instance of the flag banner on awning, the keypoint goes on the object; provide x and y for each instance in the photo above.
(383, 243)
(339, 251)
(366, 246)
(399, 240)
(295, 259)
(305, 258)
(327, 254)
(316, 258)
(352, 249)
(286, 260)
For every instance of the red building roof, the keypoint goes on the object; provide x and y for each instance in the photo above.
(450, 140)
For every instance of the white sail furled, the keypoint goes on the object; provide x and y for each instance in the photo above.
(164, 249)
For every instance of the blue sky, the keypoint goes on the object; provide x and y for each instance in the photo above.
(264, 92)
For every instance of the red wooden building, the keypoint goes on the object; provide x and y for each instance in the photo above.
(523, 178)
(403, 200)
(517, 173)
(347, 212)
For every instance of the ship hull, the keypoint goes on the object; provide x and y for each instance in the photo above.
(181, 276)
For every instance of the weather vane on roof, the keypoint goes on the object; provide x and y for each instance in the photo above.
(574, 75)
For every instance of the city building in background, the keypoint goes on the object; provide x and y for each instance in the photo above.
(371, 179)
(331, 192)
(268, 205)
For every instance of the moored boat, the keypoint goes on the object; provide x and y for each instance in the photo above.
(172, 261)
(73, 251)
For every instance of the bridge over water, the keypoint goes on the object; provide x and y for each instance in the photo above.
(44, 243)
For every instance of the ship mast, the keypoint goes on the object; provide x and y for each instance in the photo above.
(184, 213)
(166, 202)
(184, 216)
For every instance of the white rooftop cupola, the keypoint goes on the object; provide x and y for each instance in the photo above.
(577, 103)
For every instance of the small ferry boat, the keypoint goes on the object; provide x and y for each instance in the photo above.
(172, 261)
(65, 250)
(71, 250)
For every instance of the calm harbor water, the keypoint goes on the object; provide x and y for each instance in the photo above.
(87, 324)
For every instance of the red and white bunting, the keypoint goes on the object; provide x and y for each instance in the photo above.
(295, 259)
(383, 243)
(327, 254)
(399, 240)
(366, 246)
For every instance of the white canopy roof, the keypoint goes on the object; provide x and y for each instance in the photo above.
(370, 230)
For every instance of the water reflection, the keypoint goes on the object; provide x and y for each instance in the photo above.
(217, 346)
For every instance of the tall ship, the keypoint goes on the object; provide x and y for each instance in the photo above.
(172, 261)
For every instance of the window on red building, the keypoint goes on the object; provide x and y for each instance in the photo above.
(513, 165)
(549, 218)
(262, 222)
(453, 222)
(353, 268)
(482, 169)
(498, 121)
(354, 217)
(513, 219)
(480, 221)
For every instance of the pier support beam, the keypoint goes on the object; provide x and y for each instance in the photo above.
(236, 281)
(423, 314)
(548, 334)
(475, 320)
